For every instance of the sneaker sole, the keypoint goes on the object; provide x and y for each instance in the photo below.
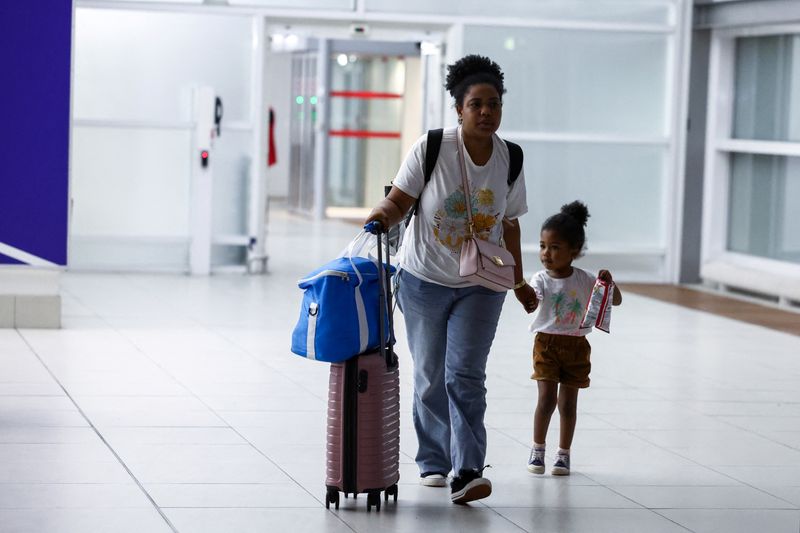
(536, 469)
(474, 490)
(428, 482)
(560, 471)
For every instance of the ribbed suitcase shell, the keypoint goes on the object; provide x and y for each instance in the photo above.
(363, 436)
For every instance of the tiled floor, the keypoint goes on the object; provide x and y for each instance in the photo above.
(170, 403)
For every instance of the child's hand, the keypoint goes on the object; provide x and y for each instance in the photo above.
(605, 275)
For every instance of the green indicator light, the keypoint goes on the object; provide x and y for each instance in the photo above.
(299, 100)
(313, 100)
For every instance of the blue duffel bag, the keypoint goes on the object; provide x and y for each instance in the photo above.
(340, 310)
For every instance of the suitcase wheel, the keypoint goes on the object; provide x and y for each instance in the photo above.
(332, 497)
(390, 491)
(374, 498)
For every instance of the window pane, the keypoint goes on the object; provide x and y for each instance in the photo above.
(578, 81)
(622, 186)
(572, 10)
(767, 90)
(764, 206)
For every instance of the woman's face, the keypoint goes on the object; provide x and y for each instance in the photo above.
(481, 110)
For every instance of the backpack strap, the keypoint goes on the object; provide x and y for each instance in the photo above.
(432, 147)
(515, 161)
(432, 152)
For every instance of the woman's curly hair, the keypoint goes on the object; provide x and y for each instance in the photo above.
(470, 70)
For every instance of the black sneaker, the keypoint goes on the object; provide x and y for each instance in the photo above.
(469, 486)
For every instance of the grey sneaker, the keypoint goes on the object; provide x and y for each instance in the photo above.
(536, 461)
(561, 466)
(433, 479)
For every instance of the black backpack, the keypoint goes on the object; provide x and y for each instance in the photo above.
(432, 154)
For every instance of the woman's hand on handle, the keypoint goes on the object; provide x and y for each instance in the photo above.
(391, 209)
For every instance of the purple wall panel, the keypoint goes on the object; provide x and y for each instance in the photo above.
(35, 56)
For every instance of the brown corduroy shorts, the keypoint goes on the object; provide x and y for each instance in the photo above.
(562, 358)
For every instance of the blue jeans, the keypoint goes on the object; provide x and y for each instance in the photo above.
(450, 332)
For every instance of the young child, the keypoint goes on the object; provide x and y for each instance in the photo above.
(561, 352)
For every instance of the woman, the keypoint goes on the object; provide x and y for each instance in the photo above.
(451, 323)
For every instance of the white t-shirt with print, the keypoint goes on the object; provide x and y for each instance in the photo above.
(432, 242)
(562, 302)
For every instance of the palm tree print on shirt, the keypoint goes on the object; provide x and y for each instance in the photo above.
(567, 308)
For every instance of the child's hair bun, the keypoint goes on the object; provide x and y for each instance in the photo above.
(576, 210)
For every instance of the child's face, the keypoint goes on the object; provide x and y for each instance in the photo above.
(556, 254)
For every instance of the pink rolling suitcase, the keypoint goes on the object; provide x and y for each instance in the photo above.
(363, 453)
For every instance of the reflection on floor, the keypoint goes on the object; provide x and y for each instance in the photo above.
(171, 403)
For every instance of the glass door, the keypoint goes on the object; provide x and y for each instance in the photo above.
(302, 126)
(366, 123)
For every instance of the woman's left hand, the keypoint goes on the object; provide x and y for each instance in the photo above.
(527, 297)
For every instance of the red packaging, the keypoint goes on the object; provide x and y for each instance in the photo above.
(598, 310)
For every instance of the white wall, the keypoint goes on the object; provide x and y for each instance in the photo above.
(138, 65)
(131, 177)
(277, 94)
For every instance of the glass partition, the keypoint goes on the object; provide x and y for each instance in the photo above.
(578, 81)
(131, 215)
(767, 88)
(148, 196)
(764, 206)
(623, 187)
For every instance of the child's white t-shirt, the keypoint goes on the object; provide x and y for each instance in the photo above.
(432, 243)
(562, 302)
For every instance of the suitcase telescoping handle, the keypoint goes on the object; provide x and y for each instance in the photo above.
(385, 299)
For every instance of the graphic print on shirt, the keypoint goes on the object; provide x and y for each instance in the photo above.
(450, 222)
(567, 308)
